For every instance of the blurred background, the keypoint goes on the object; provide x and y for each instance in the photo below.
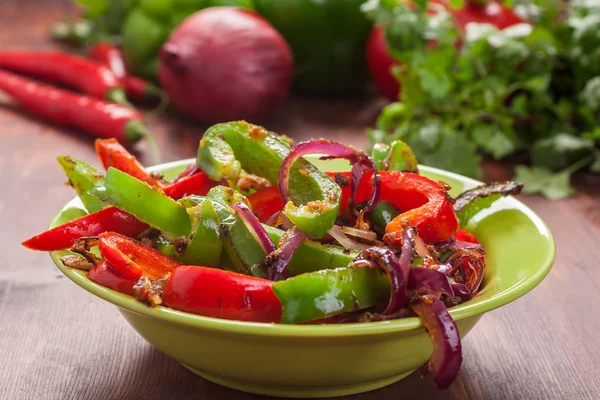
(463, 82)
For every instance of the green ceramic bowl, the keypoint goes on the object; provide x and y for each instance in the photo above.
(334, 360)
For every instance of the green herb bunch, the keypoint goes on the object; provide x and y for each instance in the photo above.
(531, 89)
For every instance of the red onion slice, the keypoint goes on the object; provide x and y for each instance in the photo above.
(278, 260)
(339, 236)
(461, 291)
(467, 260)
(430, 279)
(359, 160)
(446, 358)
(189, 171)
(385, 259)
(255, 227)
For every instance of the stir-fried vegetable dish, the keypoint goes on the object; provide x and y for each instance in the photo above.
(255, 232)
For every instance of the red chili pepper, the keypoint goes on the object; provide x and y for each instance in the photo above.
(98, 117)
(466, 236)
(131, 258)
(222, 294)
(103, 274)
(424, 203)
(136, 88)
(197, 184)
(113, 154)
(92, 78)
(107, 219)
(265, 203)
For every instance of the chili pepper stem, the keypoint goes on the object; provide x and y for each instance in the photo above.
(135, 130)
(117, 95)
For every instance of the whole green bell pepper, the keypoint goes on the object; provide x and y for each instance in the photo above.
(328, 39)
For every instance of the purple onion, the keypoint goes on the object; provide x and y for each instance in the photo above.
(446, 358)
(359, 160)
(468, 258)
(430, 279)
(255, 227)
(461, 291)
(279, 259)
(384, 258)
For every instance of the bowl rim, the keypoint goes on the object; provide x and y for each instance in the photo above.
(466, 310)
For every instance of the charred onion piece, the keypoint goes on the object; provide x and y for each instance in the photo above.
(369, 236)
(350, 244)
(83, 246)
(397, 270)
(429, 279)
(77, 262)
(446, 358)
(278, 260)
(359, 160)
(468, 264)
(254, 226)
(149, 291)
(460, 290)
(502, 188)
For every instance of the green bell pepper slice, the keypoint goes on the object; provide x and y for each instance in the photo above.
(397, 156)
(325, 293)
(384, 213)
(83, 177)
(148, 204)
(227, 148)
(204, 242)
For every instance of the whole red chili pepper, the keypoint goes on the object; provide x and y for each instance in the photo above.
(136, 88)
(98, 117)
(90, 77)
(107, 219)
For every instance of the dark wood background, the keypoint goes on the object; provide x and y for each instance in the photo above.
(59, 342)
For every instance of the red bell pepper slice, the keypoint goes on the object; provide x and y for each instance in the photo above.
(425, 204)
(265, 203)
(222, 294)
(113, 154)
(466, 237)
(197, 184)
(103, 274)
(131, 258)
(107, 219)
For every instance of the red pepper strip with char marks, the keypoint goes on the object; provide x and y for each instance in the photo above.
(103, 274)
(90, 77)
(222, 294)
(197, 184)
(112, 219)
(466, 237)
(107, 219)
(425, 204)
(112, 154)
(131, 258)
(265, 203)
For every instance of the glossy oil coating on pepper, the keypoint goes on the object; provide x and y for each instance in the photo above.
(148, 204)
(227, 148)
(83, 177)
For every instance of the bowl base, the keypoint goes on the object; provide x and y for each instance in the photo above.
(299, 392)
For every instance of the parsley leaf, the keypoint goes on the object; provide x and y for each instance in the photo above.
(555, 186)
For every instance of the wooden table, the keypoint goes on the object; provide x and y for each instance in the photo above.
(59, 342)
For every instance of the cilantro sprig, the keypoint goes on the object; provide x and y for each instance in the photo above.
(531, 88)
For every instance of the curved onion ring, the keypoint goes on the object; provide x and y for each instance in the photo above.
(359, 160)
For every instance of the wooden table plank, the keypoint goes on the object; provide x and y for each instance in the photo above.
(59, 342)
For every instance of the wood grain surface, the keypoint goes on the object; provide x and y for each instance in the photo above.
(59, 342)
